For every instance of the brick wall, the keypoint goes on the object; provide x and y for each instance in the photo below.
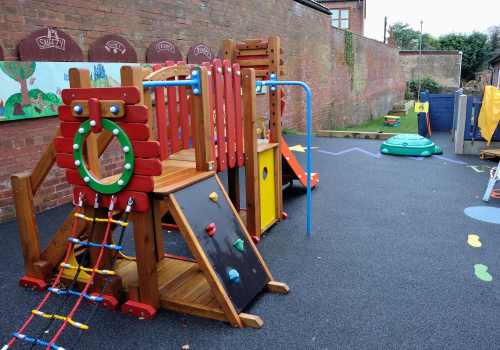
(314, 52)
(442, 66)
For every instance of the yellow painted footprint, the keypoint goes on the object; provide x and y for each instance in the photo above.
(473, 241)
(482, 273)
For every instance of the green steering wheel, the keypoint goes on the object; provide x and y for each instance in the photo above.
(126, 146)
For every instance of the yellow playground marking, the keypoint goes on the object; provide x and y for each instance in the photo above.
(473, 241)
(300, 148)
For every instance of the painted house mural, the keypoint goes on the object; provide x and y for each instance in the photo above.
(33, 89)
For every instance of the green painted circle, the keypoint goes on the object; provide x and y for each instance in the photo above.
(126, 146)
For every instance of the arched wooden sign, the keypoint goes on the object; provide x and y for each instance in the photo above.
(163, 50)
(112, 48)
(49, 44)
(200, 53)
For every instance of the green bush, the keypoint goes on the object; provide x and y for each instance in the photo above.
(427, 84)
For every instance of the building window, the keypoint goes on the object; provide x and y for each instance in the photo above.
(340, 18)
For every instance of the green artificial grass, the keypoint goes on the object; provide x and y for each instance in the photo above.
(408, 125)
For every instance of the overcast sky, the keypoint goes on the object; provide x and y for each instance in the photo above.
(439, 16)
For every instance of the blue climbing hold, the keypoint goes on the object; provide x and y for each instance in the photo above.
(234, 276)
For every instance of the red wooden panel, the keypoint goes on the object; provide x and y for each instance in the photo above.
(184, 115)
(69, 129)
(128, 94)
(65, 161)
(134, 131)
(238, 115)
(63, 145)
(230, 122)
(173, 117)
(150, 167)
(161, 118)
(141, 200)
(146, 149)
(137, 183)
(219, 112)
(133, 114)
(66, 114)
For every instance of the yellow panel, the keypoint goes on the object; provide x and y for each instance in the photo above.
(267, 188)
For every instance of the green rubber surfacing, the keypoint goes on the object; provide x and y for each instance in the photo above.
(410, 145)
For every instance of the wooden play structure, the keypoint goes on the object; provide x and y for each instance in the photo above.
(177, 126)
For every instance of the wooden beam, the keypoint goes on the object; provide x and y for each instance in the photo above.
(43, 166)
(26, 220)
(251, 161)
(203, 262)
(229, 50)
(159, 210)
(278, 287)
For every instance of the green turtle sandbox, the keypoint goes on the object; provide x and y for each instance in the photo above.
(410, 145)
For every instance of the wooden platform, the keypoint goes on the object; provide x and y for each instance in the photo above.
(489, 153)
(183, 288)
(177, 174)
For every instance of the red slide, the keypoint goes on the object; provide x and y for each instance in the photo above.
(292, 170)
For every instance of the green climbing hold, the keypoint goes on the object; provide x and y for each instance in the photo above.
(410, 145)
(482, 273)
(239, 244)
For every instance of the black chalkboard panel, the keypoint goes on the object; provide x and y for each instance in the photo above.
(201, 211)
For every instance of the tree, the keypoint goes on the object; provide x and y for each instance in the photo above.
(20, 72)
(404, 37)
(475, 48)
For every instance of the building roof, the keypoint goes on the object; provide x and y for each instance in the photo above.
(495, 59)
(315, 5)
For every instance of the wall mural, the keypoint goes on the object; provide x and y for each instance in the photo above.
(33, 89)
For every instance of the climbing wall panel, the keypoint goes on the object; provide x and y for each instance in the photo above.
(239, 270)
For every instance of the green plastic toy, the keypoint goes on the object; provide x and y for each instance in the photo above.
(410, 145)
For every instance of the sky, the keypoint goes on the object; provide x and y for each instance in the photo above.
(439, 16)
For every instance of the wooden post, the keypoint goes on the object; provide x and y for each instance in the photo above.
(274, 53)
(200, 119)
(26, 220)
(251, 161)
(229, 50)
(146, 257)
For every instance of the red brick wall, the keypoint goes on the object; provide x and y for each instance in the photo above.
(314, 52)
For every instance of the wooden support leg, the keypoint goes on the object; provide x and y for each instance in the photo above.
(278, 287)
(26, 220)
(146, 259)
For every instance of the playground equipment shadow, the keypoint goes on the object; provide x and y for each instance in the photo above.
(387, 266)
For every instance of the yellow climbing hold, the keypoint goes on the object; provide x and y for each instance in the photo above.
(473, 241)
(214, 197)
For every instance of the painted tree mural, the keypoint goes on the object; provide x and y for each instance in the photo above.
(20, 72)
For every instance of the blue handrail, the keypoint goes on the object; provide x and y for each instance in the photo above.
(273, 83)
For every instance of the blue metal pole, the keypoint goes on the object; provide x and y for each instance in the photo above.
(308, 91)
(168, 83)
